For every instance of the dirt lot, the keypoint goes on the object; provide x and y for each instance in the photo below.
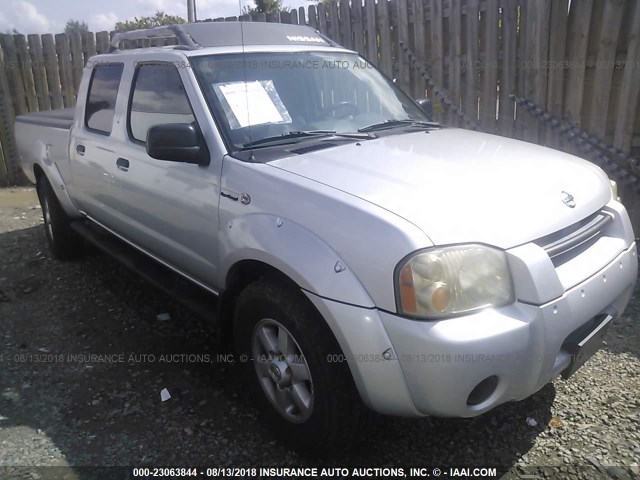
(61, 406)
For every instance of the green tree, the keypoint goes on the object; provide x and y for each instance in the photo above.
(160, 18)
(266, 7)
(76, 26)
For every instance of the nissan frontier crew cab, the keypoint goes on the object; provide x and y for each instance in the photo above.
(362, 255)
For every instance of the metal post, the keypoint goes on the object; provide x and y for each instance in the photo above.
(191, 9)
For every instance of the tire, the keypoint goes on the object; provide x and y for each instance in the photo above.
(65, 244)
(307, 408)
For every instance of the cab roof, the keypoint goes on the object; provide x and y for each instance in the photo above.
(194, 36)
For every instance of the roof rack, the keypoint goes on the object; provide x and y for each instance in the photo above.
(184, 39)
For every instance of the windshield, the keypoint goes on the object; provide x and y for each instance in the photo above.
(264, 96)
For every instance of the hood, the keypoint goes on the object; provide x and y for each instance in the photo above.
(461, 186)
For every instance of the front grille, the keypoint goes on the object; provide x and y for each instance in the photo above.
(568, 242)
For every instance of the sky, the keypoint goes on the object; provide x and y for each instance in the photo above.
(50, 16)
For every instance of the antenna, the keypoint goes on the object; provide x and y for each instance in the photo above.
(244, 67)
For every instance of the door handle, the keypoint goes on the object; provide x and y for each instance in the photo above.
(122, 164)
(80, 149)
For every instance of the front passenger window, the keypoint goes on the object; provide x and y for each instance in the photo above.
(158, 98)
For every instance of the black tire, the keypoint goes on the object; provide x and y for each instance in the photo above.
(64, 242)
(337, 414)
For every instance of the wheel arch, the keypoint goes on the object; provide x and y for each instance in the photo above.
(52, 175)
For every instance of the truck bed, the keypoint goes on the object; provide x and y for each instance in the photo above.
(62, 118)
(43, 138)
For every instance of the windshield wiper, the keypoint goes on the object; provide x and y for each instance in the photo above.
(392, 123)
(292, 137)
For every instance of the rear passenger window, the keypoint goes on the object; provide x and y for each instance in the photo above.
(158, 98)
(101, 101)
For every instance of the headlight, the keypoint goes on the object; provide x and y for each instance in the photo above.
(447, 281)
(614, 190)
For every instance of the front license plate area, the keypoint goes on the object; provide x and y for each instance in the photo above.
(584, 342)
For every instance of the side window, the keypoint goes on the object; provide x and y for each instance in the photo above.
(101, 101)
(158, 98)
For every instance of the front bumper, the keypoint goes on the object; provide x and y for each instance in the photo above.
(520, 344)
(435, 366)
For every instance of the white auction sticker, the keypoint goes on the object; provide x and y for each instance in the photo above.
(251, 103)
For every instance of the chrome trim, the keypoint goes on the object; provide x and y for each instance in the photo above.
(579, 236)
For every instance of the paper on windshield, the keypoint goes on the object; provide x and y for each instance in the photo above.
(251, 103)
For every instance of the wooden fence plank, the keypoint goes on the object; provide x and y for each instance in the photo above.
(9, 174)
(471, 59)
(294, 17)
(322, 19)
(4, 176)
(302, 16)
(402, 14)
(14, 77)
(358, 27)
(538, 54)
(77, 60)
(578, 41)
(630, 90)
(64, 66)
(555, 69)
(488, 96)
(24, 59)
(419, 45)
(393, 29)
(437, 43)
(4, 160)
(611, 22)
(372, 34)
(334, 27)
(88, 46)
(346, 39)
(455, 55)
(258, 17)
(521, 59)
(384, 31)
(103, 42)
(313, 16)
(437, 55)
(39, 72)
(285, 16)
(53, 73)
(508, 71)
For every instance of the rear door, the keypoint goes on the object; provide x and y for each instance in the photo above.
(170, 209)
(93, 142)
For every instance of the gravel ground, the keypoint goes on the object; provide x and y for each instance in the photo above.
(57, 407)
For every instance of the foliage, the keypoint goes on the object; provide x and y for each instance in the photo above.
(266, 7)
(160, 18)
(76, 26)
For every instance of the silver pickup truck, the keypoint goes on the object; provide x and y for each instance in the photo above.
(361, 254)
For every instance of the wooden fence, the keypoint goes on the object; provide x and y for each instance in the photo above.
(579, 60)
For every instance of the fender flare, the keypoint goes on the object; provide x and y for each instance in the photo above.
(52, 174)
(293, 250)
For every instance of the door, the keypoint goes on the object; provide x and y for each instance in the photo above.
(169, 209)
(92, 149)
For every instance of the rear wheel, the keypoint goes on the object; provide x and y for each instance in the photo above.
(63, 241)
(307, 400)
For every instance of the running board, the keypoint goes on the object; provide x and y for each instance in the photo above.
(193, 297)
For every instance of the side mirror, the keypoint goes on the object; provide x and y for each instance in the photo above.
(177, 142)
(427, 107)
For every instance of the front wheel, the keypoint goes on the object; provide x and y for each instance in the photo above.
(307, 400)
